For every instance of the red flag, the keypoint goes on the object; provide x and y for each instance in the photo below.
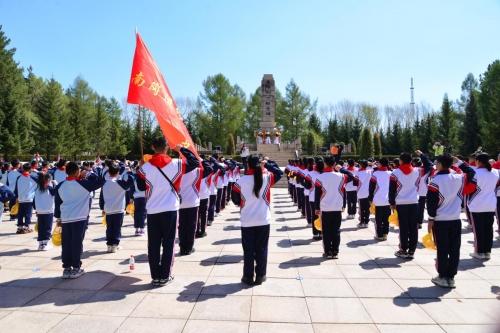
(148, 89)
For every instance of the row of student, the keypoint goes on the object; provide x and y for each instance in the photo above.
(70, 201)
(398, 189)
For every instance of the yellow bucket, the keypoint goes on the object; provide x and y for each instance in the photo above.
(372, 209)
(393, 218)
(317, 224)
(57, 236)
(428, 241)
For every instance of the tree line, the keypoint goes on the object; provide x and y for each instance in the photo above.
(40, 115)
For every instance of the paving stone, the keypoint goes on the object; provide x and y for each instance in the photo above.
(280, 309)
(337, 310)
(215, 307)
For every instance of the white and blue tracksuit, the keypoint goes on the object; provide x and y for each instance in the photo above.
(113, 204)
(44, 204)
(25, 193)
(72, 207)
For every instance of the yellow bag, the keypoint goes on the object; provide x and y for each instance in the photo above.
(130, 208)
(393, 218)
(317, 224)
(36, 227)
(428, 241)
(372, 209)
(14, 209)
(104, 220)
(57, 236)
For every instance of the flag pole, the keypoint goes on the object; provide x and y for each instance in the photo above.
(141, 131)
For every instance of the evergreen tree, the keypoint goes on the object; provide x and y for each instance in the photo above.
(294, 114)
(332, 130)
(407, 139)
(117, 140)
(366, 143)
(230, 147)
(428, 133)
(354, 149)
(35, 87)
(81, 99)
(471, 130)
(100, 124)
(377, 145)
(52, 114)
(447, 124)
(489, 103)
(14, 106)
(252, 116)
(357, 127)
(396, 138)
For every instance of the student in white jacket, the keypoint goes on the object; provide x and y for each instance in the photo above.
(252, 193)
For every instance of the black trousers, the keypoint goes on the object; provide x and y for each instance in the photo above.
(421, 209)
(223, 198)
(300, 193)
(255, 242)
(498, 214)
(483, 231)
(344, 200)
(72, 243)
(314, 217)
(290, 189)
(139, 212)
(309, 212)
(294, 195)
(188, 219)
(114, 224)
(24, 214)
(447, 236)
(202, 216)
(408, 227)
(218, 200)
(364, 210)
(382, 214)
(330, 222)
(211, 207)
(228, 192)
(352, 198)
(44, 226)
(161, 234)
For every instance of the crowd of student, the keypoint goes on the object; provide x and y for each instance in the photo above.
(183, 196)
(172, 194)
(325, 187)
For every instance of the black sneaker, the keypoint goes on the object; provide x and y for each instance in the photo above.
(155, 282)
(163, 282)
(410, 255)
(247, 280)
(401, 254)
(334, 256)
(259, 280)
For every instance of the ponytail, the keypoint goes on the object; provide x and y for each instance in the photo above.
(484, 159)
(254, 165)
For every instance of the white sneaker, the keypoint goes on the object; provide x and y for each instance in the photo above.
(66, 273)
(110, 248)
(487, 256)
(451, 283)
(76, 273)
(440, 282)
(479, 256)
(41, 246)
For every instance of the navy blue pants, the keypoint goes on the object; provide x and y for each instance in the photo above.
(188, 219)
(44, 226)
(300, 200)
(421, 209)
(382, 214)
(255, 242)
(483, 231)
(72, 243)
(352, 199)
(24, 214)
(161, 234)
(211, 207)
(228, 192)
(139, 212)
(223, 199)
(447, 236)
(364, 210)
(202, 216)
(408, 227)
(218, 200)
(330, 223)
(114, 228)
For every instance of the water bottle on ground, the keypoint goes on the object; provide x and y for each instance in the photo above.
(131, 263)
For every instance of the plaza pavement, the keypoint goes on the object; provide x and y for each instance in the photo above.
(365, 290)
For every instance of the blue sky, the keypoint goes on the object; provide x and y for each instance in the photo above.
(359, 50)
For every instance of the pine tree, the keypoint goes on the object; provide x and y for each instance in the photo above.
(252, 115)
(366, 143)
(52, 114)
(81, 99)
(396, 138)
(100, 135)
(471, 130)
(117, 140)
(489, 103)
(447, 124)
(294, 114)
(14, 106)
(377, 145)
(230, 148)
(332, 130)
(354, 150)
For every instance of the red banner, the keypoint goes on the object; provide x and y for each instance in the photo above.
(148, 89)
